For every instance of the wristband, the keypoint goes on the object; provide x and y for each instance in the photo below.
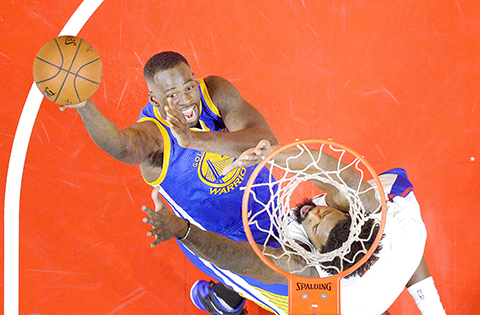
(186, 234)
(426, 297)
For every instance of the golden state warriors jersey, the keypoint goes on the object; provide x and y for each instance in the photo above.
(191, 180)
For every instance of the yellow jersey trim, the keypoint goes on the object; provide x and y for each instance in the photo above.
(166, 148)
(207, 98)
(280, 301)
(159, 117)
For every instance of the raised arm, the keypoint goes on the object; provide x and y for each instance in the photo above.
(132, 145)
(245, 123)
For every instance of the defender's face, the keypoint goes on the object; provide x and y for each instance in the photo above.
(178, 88)
(318, 221)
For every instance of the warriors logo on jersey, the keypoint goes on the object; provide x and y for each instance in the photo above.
(210, 167)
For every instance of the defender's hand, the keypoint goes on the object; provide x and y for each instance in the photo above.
(166, 225)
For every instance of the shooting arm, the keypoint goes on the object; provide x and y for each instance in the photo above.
(131, 145)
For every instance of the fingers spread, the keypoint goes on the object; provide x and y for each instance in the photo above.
(174, 116)
(147, 210)
(149, 221)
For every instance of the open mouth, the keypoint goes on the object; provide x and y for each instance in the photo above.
(190, 113)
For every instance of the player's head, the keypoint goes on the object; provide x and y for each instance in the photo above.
(339, 235)
(328, 228)
(172, 83)
(162, 61)
(318, 221)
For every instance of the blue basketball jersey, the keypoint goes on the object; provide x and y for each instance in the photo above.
(191, 180)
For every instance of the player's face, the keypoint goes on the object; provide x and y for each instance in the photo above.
(178, 88)
(318, 221)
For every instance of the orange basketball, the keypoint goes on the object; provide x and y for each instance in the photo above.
(67, 70)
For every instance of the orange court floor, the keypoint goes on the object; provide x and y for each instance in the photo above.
(395, 80)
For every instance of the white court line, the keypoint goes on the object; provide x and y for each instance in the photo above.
(16, 166)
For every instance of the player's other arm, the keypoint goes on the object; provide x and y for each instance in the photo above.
(301, 161)
(245, 123)
(237, 257)
(225, 253)
(131, 145)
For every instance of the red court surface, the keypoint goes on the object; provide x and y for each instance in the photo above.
(395, 80)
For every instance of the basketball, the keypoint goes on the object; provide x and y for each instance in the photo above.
(67, 70)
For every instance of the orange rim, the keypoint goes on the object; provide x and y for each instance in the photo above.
(249, 233)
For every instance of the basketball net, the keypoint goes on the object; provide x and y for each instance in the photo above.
(289, 187)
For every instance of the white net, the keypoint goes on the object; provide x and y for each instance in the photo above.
(290, 184)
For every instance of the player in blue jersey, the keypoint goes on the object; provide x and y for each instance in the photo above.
(186, 134)
(397, 263)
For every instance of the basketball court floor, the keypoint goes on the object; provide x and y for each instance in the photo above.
(395, 80)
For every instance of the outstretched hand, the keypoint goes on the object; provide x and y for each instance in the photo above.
(166, 225)
(250, 157)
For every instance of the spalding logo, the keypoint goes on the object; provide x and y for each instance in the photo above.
(314, 286)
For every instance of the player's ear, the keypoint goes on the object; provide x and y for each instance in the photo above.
(153, 99)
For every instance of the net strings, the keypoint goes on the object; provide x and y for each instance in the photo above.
(281, 189)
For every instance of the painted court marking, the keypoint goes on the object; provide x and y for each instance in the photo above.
(16, 166)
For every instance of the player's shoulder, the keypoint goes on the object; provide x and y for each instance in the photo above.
(395, 183)
(223, 93)
(218, 85)
(215, 79)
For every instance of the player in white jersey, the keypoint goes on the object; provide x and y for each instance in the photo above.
(397, 263)
(373, 290)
